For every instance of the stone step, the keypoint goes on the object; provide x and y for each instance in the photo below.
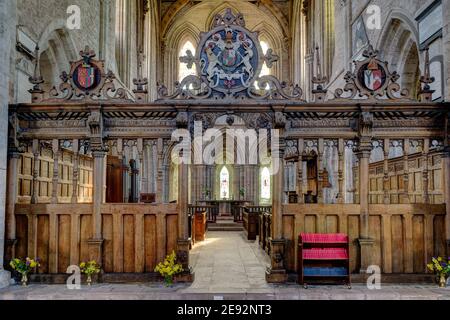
(221, 228)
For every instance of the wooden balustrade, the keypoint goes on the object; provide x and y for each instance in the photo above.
(211, 212)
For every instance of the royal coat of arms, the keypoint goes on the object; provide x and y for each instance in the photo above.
(229, 58)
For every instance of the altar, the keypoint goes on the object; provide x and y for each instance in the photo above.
(225, 205)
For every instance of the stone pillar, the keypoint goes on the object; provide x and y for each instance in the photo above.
(276, 273)
(386, 182)
(183, 242)
(7, 34)
(95, 244)
(11, 198)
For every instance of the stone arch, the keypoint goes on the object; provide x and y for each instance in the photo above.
(57, 49)
(173, 43)
(399, 46)
(218, 10)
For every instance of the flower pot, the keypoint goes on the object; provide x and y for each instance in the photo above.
(442, 281)
(89, 280)
(24, 280)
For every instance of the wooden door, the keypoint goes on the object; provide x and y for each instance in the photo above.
(114, 180)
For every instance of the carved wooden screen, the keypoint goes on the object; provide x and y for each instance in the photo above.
(65, 180)
(45, 176)
(25, 176)
(85, 179)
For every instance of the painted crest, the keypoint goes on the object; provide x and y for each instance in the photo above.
(374, 76)
(86, 75)
(229, 58)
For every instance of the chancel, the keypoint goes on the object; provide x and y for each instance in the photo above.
(354, 125)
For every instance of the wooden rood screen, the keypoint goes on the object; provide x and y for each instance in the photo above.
(136, 237)
(405, 236)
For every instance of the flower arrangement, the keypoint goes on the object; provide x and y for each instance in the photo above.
(207, 193)
(24, 267)
(169, 268)
(441, 267)
(89, 268)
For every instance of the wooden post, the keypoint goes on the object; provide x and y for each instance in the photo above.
(95, 244)
(76, 159)
(56, 153)
(386, 196)
(341, 164)
(320, 198)
(36, 162)
(426, 149)
(277, 271)
(160, 172)
(365, 147)
(300, 191)
(405, 171)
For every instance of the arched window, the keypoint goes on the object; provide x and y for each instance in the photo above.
(183, 70)
(265, 184)
(224, 183)
(265, 71)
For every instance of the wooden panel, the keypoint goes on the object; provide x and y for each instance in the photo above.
(172, 233)
(43, 242)
(150, 242)
(353, 234)
(397, 244)
(63, 243)
(439, 236)
(22, 236)
(107, 227)
(289, 235)
(310, 224)
(418, 244)
(375, 234)
(332, 224)
(128, 243)
(85, 235)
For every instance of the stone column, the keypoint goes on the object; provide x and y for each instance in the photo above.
(7, 34)
(95, 244)
(183, 242)
(11, 198)
(277, 271)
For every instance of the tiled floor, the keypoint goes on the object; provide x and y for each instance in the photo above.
(226, 267)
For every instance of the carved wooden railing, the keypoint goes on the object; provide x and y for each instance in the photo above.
(251, 219)
(211, 212)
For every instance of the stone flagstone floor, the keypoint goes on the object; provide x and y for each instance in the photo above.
(226, 267)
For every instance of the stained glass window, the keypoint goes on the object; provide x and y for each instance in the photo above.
(224, 183)
(183, 70)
